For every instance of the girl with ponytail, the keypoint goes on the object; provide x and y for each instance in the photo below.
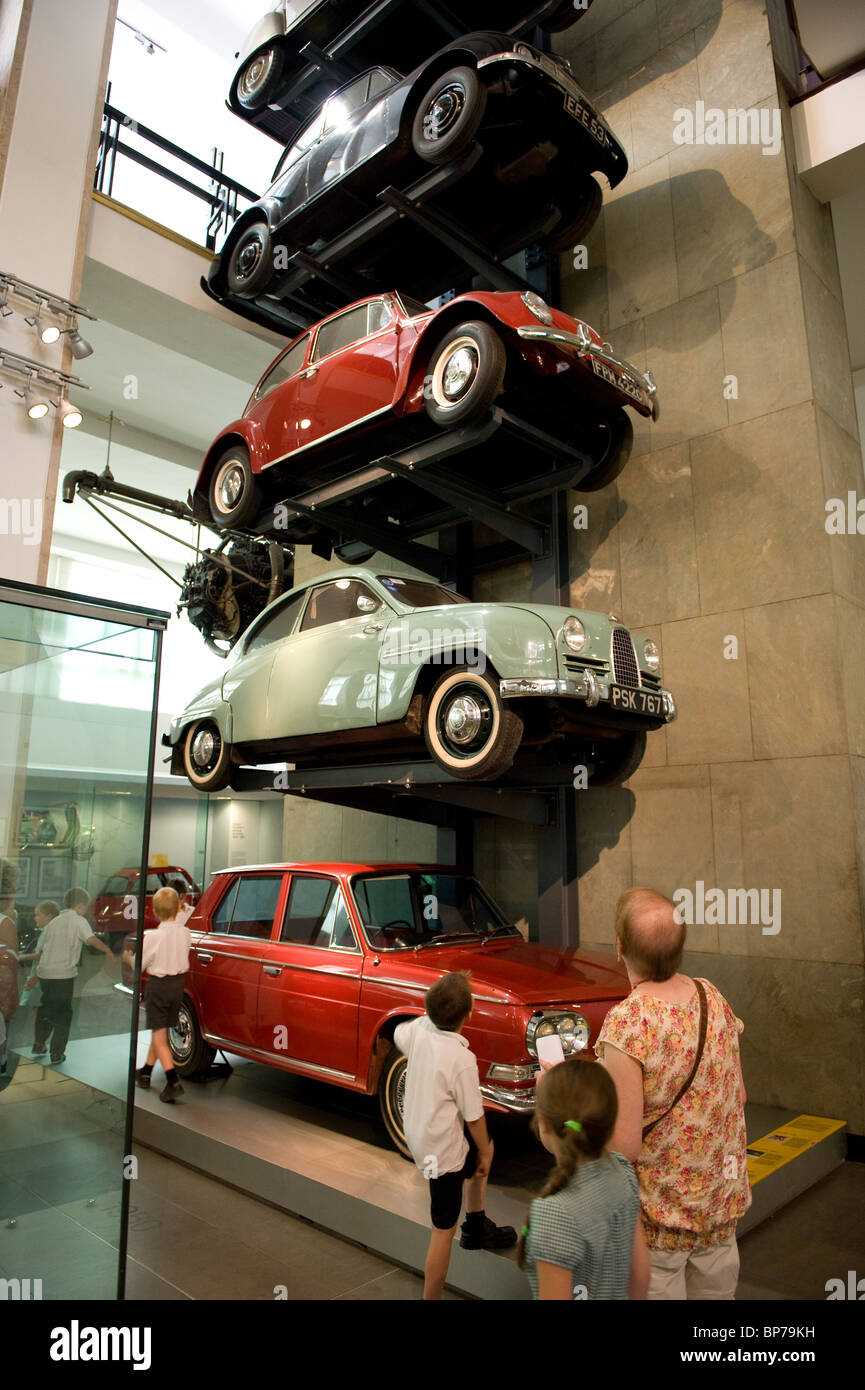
(583, 1238)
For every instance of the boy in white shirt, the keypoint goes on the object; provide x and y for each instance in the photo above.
(57, 954)
(165, 960)
(445, 1128)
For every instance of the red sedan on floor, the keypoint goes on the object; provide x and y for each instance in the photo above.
(364, 379)
(310, 967)
(115, 908)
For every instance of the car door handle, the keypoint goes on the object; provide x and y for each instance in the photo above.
(203, 957)
(273, 970)
(373, 627)
(309, 371)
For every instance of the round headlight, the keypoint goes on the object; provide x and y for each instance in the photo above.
(574, 634)
(538, 306)
(653, 656)
(574, 1033)
(545, 1029)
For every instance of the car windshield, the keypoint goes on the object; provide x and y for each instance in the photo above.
(419, 593)
(413, 307)
(412, 908)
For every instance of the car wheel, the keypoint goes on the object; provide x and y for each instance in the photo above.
(234, 495)
(206, 756)
(250, 263)
(258, 78)
(448, 117)
(190, 1052)
(468, 729)
(618, 759)
(616, 440)
(391, 1098)
(466, 374)
(578, 218)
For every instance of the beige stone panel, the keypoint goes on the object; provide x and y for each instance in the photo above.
(604, 858)
(787, 825)
(734, 57)
(656, 743)
(622, 47)
(759, 512)
(841, 459)
(614, 105)
(671, 835)
(597, 17)
(656, 538)
(791, 719)
(594, 553)
(731, 211)
(710, 689)
(665, 83)
(763, 332)
(802, 1047)
(683, 346)
(677, 17)
(830, 355)
(584, 292)
(629, 341)
(641, 252)
(512, 584)
(311, 830)
(851, 644)
(857, 777)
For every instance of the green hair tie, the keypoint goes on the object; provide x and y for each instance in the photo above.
(525, 1230)
(574, 1125)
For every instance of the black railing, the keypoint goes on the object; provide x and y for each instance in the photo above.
(221, 193)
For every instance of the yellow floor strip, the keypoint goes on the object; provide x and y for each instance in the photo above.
(785, 1143)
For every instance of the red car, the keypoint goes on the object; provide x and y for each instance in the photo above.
(115, 908)
(380, 372)
(310, 967)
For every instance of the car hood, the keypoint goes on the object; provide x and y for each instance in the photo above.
(474, 613)
(526, 972)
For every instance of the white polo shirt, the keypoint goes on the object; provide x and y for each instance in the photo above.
(165, 949)
(60, 943)
(442, 1093)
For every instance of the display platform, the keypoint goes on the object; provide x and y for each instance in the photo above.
(319, 1153)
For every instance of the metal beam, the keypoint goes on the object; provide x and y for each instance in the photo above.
(489, 507)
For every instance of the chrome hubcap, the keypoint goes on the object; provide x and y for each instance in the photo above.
(255, 74)
(180, 1037)
(444, 111)
(203, 747)
(463, 720)
(400, 1094)
(455, 372)
(231, 486)
(248, 258)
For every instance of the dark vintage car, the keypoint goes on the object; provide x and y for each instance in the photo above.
(539, 138)
(310, 967)
(278, 85)
(379, 372)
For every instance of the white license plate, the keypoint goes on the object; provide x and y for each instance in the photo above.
(623, 383)
(637, 701)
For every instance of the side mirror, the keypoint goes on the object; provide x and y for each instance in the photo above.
(367, 604)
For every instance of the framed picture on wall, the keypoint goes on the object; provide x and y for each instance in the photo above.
(53, 877)
(22, 892)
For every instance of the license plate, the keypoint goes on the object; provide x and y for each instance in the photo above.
(622, 382)
(637, 701)
(586, 117)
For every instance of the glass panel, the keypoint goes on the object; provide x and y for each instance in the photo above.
(255, 907)
(419, 593)
(221, 919)
(288, 364)
(77, 694)
(310, 915)
(278, 625)
(341, 332)
(332, 603)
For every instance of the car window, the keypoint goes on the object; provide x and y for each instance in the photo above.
(332, 603)
(341, 107)
(419, 593)
(316, 914)
(154, 882)
(222, 916)
(278, 625)
(307, 137)
(385, 901)
(255, 906)
(284, 367)
(351, 327)
(118, 883)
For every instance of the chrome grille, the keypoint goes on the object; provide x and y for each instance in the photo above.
(653, 682)
(625, 669)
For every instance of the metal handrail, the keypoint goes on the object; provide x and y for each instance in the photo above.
(221, 195)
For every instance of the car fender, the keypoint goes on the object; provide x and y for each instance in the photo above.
(208, 703)
(383, 1031)
(270, 26)
(453, 57)
(413, 372)
(248, 432)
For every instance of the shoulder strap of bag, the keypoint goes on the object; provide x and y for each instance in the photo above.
(701, 1043)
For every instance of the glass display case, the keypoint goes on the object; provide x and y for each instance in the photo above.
(78, 686)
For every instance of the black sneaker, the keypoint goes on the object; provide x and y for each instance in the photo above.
(55, 1061)
(142, 1079)
(170, 1093)
(487, 1236)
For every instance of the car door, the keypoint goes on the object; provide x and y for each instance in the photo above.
(274, 406)
(226, 961)
(325, 677)
(352, 371)
(245, 684)
(309, 994)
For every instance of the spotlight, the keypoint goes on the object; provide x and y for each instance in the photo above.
(37, 406)
(45, 332)
(80, 346)
(70, 415)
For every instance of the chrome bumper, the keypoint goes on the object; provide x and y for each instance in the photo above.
(520, 1102)
(643, 381)
(586, 687)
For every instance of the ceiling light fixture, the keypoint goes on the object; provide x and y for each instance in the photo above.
(149, 45)
(36, 374)
(46, 304)
(80, 346)
(70, 415)
(36, 406)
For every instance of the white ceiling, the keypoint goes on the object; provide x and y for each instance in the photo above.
(221, 25)
(832, 33)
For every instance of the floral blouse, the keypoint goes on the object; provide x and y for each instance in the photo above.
(692, 1167)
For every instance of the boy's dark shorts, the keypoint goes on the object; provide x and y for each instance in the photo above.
(446, 1192)
(162, 1000)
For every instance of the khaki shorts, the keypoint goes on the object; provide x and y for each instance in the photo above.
(709, 1272)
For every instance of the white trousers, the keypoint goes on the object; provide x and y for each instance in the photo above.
(709, 1272)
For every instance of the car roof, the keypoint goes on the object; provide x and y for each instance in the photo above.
(341, 866)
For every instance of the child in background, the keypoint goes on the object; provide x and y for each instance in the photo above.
(43, 913)
(583, 1238)
(445, 1127)
(57, 954)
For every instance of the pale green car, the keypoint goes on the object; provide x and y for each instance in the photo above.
(360, 665)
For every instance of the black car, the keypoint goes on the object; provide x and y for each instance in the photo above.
(530, 138)
(280, 81)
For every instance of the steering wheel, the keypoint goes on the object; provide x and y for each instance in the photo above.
(396, 923)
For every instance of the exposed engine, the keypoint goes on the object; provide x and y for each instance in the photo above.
(229, 586)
